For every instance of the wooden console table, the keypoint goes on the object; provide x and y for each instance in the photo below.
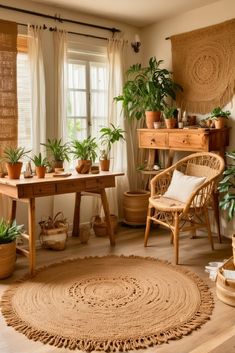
(26, 190)
(194, 140)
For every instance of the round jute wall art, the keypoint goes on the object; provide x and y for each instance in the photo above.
(108, 303)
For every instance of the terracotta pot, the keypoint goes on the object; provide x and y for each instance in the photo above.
(7, 259)
(83, 166)
(220, 122)
(104, 165)
(151, 117)
(135, 206)
(14, 170)
(40, 172)
(58, 165)
(170, 123)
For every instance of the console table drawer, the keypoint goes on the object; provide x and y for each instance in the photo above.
(188, 141)
(153, 140)
(43, 189)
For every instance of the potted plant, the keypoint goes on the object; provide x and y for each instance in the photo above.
(169, 115)
(12, 156)
(8, 234)
(146, 90)
(109, 135)
(40, 165)
(58, 151)
(85, 151)
(219, 116)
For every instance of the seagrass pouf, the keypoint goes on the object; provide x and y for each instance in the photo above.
(111, 303)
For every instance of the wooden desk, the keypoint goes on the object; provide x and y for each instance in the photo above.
(26, 190)
(195, 140)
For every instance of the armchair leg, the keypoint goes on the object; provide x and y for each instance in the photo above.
(148, 224)
(176, 237)
(208, 227)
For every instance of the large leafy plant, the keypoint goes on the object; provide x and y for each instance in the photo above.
(218, 112)
(13, 155)
(58, 150)
(9, 231)
(227, 188)
(110, 135)
(147, 88)
(85, 150)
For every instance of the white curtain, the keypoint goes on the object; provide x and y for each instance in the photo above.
(61, 61)
(116, 59)
(37, 78)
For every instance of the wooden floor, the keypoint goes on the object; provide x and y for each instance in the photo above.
(216, 336)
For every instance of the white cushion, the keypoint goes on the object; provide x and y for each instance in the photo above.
(182, 186)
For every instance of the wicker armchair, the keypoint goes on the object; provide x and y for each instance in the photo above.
(193, 214)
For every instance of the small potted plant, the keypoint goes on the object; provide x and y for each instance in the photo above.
(145, 91)
(58, 151)
(12, 157)
(85, 152)
(169, 115)
(109, 135)
(40, 165)
(8, 234)
(219, 116)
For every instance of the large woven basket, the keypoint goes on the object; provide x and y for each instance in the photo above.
(100, 226)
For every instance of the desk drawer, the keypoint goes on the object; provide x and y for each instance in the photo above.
(70, 186)
(190, 142)
(44, 189)
(153, 139)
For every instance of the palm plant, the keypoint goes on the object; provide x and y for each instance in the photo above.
(227, 188)
(40, 161)
(85, 150)
(110, 135)
(58, 150)
(146, 89)
(13, 155)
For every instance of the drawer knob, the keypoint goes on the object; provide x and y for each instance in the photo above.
(152, 140)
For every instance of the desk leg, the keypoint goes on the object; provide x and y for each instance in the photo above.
(76, 216)
(13, 210)
(32, 235)
(107, 216)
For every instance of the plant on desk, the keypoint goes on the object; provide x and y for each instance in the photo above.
(109, 135)
(170, 117)
(219, 116)
(58, 151)
(8, 234)
(85, 152)
(12, 157)
(41, 164)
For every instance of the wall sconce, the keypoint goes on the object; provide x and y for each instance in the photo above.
(136, 44)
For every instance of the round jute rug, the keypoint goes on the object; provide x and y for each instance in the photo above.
(107, 303)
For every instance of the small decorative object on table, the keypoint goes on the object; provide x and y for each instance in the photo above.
(54, 232)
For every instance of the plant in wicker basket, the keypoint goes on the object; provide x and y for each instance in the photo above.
(54, 232)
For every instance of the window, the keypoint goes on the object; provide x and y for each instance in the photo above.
(87, 105)
(23, 96)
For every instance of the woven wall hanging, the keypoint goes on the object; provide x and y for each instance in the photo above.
(8, 95)
(204, 64)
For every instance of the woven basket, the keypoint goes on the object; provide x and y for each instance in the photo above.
(54, 232)
(99, 225)
(225, 288)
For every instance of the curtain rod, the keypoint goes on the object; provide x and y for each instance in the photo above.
(58, 18)
(76, 33)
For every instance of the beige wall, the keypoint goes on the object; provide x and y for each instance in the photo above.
(154, 44)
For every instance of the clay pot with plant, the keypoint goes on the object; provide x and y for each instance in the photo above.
(8, 234)
(12, 157)
(109, 135)
(146, 90)
(219, 117)
(169, 115)
(58, 151)
(41, 164)
(85, 152)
